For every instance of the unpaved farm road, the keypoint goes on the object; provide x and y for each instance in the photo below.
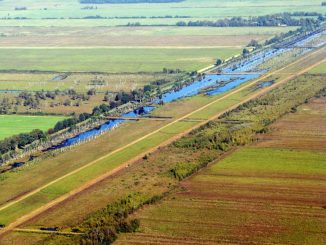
(23, 219)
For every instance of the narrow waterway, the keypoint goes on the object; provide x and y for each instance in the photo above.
(211, 85)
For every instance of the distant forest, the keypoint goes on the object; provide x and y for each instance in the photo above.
(129, 1)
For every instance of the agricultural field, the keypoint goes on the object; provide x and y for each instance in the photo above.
(113, 60)
(80, 82)
(148, 36)
(244, 194)
(146, 49)
(133, 56)
(72, 216)
(109, 59)
(150, 116)
(272, 191)
(305, 129)
(15, 124)
(159, 14)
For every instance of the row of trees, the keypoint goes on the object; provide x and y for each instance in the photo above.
(121, 98)
(284, 19)
(69, 122)
(252, 117)
(33, 100)
(139, 95)
(279, 38)
(102, 227)
(20, 140)
(8, 147)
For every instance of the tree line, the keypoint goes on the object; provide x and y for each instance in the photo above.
(20, 141)
(103, 226)
(33, 100)
(252, 117)
(9, 145)
(283, 19)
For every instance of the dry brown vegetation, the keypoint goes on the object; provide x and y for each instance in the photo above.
(258, 195)
(306, 129)
(134, 183)
(132, 36)
(226, 194)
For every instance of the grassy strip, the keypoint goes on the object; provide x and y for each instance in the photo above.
(216, 136)
(319, 69)
(49, 193)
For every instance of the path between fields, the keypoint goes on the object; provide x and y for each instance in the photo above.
(48, 232)
(85, 186)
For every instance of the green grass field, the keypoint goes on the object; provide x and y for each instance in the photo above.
(112, 59)
(319, 69)
(106, 164)
(270, 190)
(267, 193)
(15, 124)
(192, 9)
(118, 49)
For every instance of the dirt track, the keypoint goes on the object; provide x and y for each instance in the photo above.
(85, 186)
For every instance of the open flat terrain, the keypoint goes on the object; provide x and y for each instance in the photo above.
(80, 82)
(148, 36)
(306, 129)
(90, 45)
(106, 163)
(15, 124)
(273, 191)
(187, 10)
(123, 49)
(243, 166)
(111, 59)
(114, 50)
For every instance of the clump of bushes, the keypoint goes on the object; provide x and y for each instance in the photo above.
(238, 127)
(103, 226)
(9, 145)
(186, 169)
(183, 170)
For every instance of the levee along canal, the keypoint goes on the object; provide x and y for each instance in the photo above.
(230, 77)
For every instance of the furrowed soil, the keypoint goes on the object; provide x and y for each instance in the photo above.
(271, 192)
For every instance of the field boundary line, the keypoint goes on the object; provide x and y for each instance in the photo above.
(150, 134)
(65, 233)
(65, 196)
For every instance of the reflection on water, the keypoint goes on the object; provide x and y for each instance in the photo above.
(212, 84)
(112, 123)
